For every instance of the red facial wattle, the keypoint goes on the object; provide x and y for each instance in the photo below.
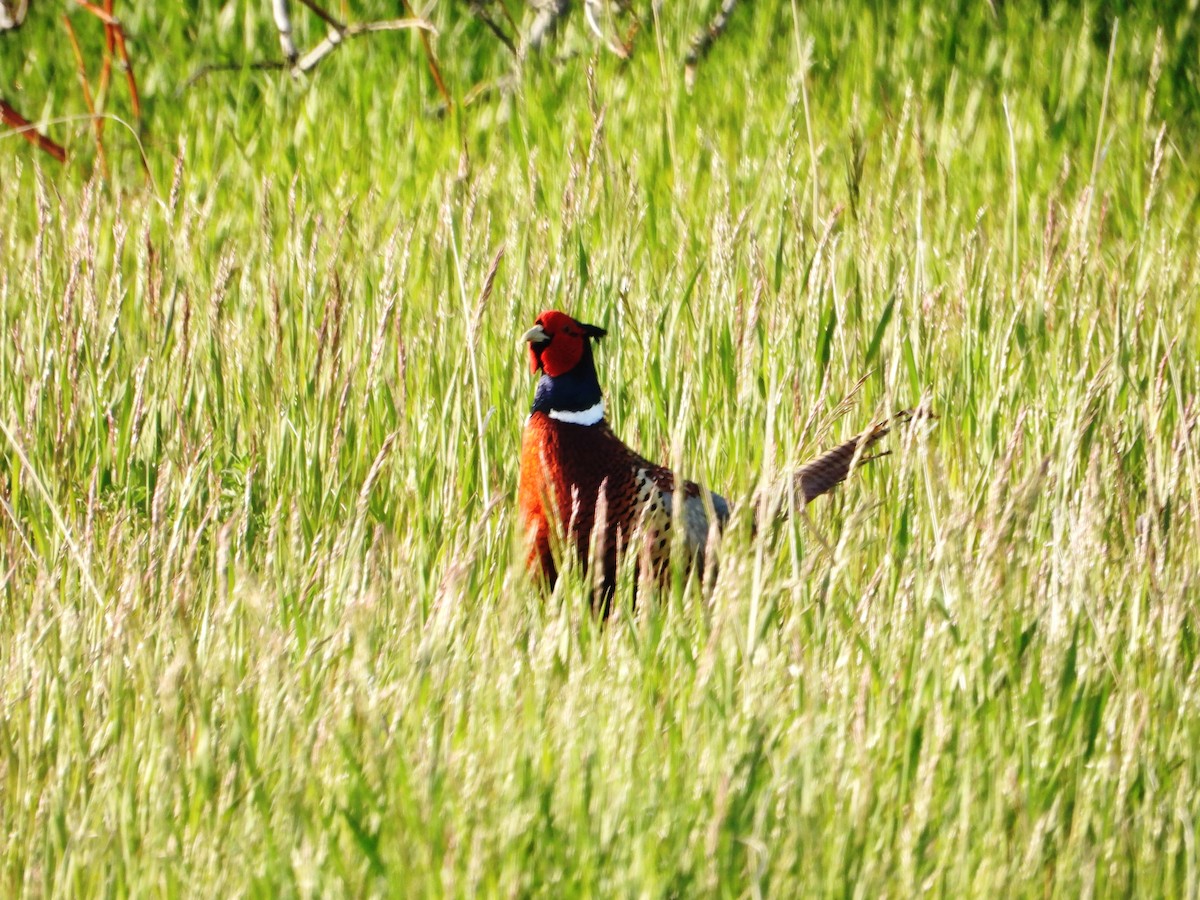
(561, 354)
(564, 345)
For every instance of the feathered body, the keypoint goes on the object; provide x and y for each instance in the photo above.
(578, 475)
(582, 485)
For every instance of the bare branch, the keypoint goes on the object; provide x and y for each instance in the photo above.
(208, 68)
(493, 26)
(310, 59)
(591, 10)
(549, 12)
(324, 16)
(357, 28)
(12, 14)
(702, 43)
(283, 22)
(512, 23)
(334, 39)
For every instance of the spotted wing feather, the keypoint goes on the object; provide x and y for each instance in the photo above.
(659, 498)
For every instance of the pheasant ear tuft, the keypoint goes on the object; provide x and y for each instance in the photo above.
(593, 331)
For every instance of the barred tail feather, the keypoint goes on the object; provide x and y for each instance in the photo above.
(830, 469)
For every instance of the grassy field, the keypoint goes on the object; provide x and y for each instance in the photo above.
(263, 625)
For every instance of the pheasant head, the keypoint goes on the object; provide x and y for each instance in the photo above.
(561, 349)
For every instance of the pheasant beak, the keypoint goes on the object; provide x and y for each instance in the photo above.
(537, 339)
(535, 335)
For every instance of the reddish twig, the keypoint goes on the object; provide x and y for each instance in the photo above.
(118, 35)
(110, 47)
(97, 123)
(100, 13)
(134, 99)
(25, 129)
(432, 59)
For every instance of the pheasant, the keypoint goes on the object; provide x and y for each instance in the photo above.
(580, 481)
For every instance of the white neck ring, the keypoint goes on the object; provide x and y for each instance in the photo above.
(589, 416)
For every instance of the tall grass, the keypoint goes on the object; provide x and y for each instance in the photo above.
(264, 625)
